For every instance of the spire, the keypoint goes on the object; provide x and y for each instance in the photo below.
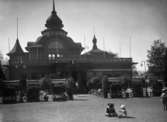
(53, 7)
(17, 27)
(94, 42)
(17, 48)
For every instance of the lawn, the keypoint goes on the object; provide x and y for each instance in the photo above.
(84, 108)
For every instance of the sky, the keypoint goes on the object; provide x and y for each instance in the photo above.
(125, 27)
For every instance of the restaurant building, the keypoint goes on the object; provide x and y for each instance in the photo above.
(58, 55)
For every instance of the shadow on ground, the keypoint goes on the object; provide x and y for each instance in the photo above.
(80, 99)
(126, 117)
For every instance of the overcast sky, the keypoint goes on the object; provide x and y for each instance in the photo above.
(115, 23)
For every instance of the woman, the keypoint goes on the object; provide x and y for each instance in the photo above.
(164, 99)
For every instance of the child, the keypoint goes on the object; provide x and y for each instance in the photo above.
(110, 110)
(122, 111)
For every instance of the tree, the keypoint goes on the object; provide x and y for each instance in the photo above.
(156, 59)
(1, 56)
(46, 84)
(166, 66)
(2, 76)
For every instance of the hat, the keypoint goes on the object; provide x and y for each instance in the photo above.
(122, 106)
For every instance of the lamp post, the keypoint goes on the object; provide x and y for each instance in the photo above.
(146, 81)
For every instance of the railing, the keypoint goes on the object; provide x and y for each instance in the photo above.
(72, 60)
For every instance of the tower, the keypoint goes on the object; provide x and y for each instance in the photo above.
(16, 59)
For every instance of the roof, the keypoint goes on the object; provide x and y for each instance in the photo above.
(53, 20)
(95, 51)
(16, 49)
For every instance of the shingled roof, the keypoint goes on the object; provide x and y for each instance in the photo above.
(16, 49)
(95, 51)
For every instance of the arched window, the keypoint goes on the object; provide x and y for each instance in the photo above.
(49, 56)
(53, 56)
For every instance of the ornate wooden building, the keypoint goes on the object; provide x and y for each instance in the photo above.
(57, 54)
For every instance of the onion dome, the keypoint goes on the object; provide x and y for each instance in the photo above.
(53, 20)
(94, 42)
(16, 49)
(95, 49)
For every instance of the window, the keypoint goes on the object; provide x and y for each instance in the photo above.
(53, 56)
(49, 56)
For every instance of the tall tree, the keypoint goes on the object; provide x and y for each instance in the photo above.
(156, 59)
(1, 56)
(166, 66)
(2, 76)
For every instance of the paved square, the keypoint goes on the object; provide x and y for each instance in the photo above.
(85, 108)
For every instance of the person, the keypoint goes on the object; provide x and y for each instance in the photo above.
(46, 97)
(144, 92)
(24, 98)
(164, 99)
(110, 110)
(149, 92)
(123, 93)
(69, 88)
(105, 86)
(129, 93)
(18, 95)
(122, 111)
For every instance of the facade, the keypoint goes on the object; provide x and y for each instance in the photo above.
(56, 54)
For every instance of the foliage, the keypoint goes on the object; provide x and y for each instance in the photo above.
(94, 82)
(134, 71)
(3, 59)
(1, 56)
(166, 65)
(46, 84)
(2, 76)
(156, 58)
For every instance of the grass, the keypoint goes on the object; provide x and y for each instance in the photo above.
(84, 108)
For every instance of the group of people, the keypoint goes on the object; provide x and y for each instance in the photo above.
(111, 112)
(147, 92)
(128, 93)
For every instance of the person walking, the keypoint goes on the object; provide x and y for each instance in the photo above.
(70, 87)
(164, 99)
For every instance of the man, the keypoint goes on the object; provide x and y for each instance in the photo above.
(69, 87)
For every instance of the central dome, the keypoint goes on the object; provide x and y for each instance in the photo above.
(53, 20)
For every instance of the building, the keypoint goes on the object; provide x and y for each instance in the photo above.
(56, 54)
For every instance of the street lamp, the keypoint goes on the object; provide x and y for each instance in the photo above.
(146, 80)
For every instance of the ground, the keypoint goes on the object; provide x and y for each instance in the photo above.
(84, 108)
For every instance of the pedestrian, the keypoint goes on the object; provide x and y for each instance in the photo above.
(70, 87)
(122, 111)
(123, 93)
(164, 99)
(129, 93)
(149, 92)
(144, 92)
(110, 110)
